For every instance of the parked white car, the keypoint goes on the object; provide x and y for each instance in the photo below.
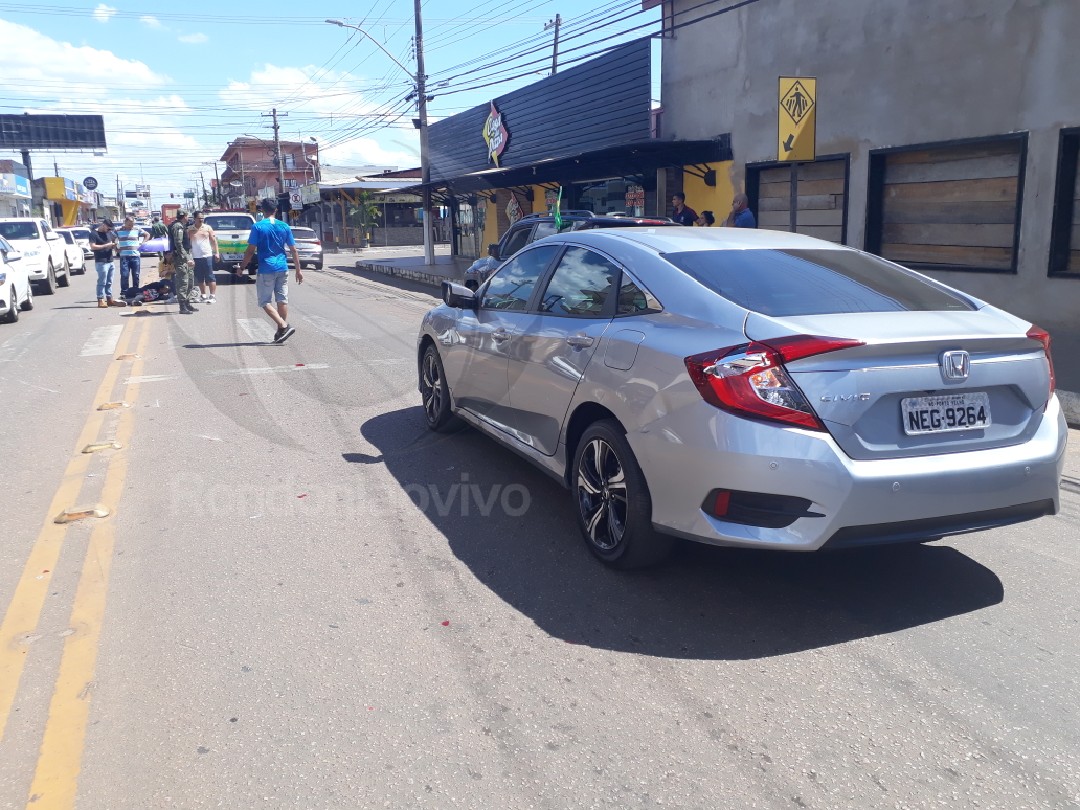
(44, 252)
(15, 292)
(82, 239)
(74, 251)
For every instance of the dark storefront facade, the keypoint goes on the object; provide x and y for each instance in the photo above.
(587, 131)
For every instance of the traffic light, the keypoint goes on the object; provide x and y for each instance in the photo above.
(171, 196)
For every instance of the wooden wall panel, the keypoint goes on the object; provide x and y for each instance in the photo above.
(952, 206)
(821, 200)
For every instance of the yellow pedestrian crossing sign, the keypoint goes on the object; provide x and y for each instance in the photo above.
(797, 119)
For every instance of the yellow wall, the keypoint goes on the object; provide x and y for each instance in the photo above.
(491, 227)
(716, 198)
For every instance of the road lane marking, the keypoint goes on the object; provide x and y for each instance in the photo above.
(331, 328)
(12, 349)
(60, 758)
(24, 610)
(256, 329)
(229, 372)
(102, 341)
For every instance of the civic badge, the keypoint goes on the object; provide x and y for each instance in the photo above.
(955, 365)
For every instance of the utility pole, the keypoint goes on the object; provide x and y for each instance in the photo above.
(277, 151)
(556, 24)
(202, 182)
(217, 185)
(56, 169)
(425, 158)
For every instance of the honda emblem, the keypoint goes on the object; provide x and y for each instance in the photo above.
(955, 365)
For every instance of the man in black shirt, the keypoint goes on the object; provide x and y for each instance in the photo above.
(103, 243)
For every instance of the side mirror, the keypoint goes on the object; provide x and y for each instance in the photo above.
(458, 297)
(52, 236)
(493, 250)
(12, 255)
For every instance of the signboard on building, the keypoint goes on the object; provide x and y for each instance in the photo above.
(495, 134)
(513, 210)
(309, 193)
(296, 198)
(635, 197)
(90, 182)
(14, 185)
(797, 119)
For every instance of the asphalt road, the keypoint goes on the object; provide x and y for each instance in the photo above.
(302, 599)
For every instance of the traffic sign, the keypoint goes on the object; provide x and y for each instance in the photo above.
(797, 119)
(189, 195)
(90, 183)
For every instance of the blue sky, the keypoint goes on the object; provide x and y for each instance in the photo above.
(176, 82)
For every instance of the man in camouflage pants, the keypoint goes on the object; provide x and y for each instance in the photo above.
(183, 263)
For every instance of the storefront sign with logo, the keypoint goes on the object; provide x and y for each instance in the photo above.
(513, 210)
(635, 196)
(495, 134)
(309, 193)
(14, 185)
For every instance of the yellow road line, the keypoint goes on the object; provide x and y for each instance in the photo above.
(60, 759)
(24, 610)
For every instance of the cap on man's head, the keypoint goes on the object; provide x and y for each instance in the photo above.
(181, 213)
(268, 204)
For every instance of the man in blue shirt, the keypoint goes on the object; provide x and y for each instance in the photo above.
(741, 216)
(269, 236)
(129, 238)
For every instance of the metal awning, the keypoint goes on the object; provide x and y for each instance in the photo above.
(629, 160)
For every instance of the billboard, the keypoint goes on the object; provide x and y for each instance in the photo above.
(52, 132)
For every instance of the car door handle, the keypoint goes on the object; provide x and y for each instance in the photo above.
(499, 335)
(580, 341)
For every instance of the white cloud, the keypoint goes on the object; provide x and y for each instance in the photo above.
(103, 12)
(369, 152)
(151, 22)
(194, 39)
(31, 57)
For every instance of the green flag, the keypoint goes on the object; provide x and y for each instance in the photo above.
(558, 211)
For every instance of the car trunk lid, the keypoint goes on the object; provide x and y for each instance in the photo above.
(909, 390)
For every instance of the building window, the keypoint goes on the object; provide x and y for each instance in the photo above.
(951, 206)
(821, 209)
(290, 161)
(1065, 233)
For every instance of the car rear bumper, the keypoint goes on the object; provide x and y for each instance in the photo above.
(852, 502)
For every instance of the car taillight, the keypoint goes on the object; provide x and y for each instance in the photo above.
(1041, 335)
(750, 380)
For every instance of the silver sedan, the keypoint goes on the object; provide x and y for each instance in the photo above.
(749, 388)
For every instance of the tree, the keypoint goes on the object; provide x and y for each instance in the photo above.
(364, 214)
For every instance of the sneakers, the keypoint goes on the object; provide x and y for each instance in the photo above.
(210, 299)
(284, 334)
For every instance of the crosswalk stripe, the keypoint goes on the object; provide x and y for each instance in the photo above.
(102, 341)
(14, 347)
(230, 372)
(331, 328)
(256, 329)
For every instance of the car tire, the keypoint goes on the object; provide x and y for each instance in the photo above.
(434, 392)
(614, 508)
(317, 265)
(66, 280)
(48, 285)
(28, 302)
(12, 315)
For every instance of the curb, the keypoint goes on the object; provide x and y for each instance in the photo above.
(1070, 406)
(409, 273)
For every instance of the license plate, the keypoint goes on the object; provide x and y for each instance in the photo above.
(231, 257)
(946, 413)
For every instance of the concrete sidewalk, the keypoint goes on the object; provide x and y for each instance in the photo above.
(408, 263)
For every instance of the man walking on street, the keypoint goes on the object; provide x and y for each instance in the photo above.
(204, 249)
(130, 237)
(183, 264)
(683, 215)
(270, 237)
(103, 244)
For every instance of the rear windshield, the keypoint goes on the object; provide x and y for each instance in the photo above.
(813, 282)
(304, 233)
(18, 230)
(229, 223)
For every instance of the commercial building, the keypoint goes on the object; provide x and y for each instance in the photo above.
(15, 192)
(587, 131)
(251, 169)
(947, 136)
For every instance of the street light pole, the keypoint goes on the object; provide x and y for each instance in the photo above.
(420, 80)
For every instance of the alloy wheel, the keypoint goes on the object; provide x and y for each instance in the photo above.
(602, 494)
(431, 388)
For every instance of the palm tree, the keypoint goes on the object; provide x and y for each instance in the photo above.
(364, 214)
